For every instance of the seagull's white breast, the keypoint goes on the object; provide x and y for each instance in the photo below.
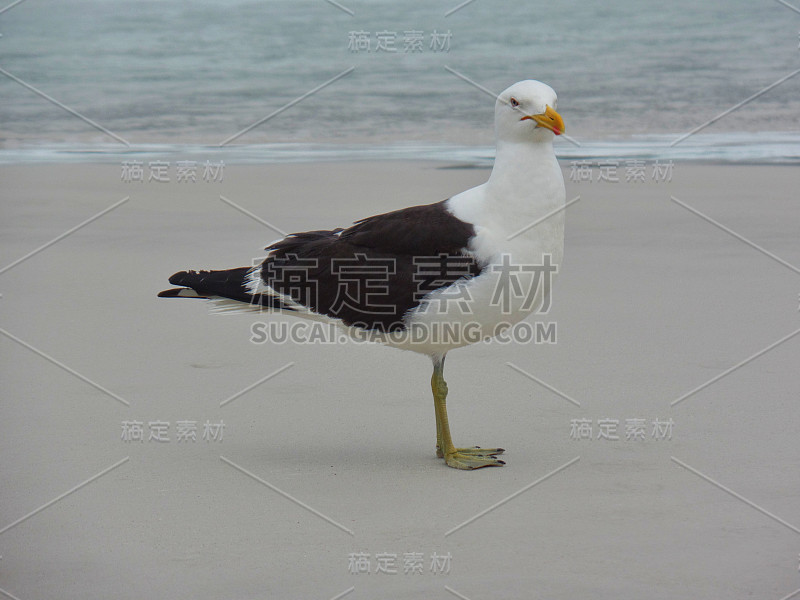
(519, 221)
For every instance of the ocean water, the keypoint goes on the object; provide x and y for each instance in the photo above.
(184, 78)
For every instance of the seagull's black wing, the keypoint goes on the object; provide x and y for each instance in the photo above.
(372, 273)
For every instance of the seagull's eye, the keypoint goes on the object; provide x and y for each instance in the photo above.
(513, 102)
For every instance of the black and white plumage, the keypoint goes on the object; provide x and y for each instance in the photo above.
(402, 275)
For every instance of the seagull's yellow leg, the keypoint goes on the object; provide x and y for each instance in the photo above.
(458, 458)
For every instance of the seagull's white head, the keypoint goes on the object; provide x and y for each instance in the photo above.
(526, 112)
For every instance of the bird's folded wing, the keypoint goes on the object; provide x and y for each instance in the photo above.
(374, 272)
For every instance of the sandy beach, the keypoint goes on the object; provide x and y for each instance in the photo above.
(673, 335)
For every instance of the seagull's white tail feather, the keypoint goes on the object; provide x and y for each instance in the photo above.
(220, 305)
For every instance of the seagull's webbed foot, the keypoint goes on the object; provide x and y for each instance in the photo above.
(473, 451)
(470, 458)
(473, 458)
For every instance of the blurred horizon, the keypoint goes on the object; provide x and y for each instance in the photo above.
(200, 72)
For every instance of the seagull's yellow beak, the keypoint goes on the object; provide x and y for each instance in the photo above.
(549, 119)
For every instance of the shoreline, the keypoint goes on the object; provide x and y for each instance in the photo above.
(707, 148)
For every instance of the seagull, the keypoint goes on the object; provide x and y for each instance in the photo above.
(428, 278)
